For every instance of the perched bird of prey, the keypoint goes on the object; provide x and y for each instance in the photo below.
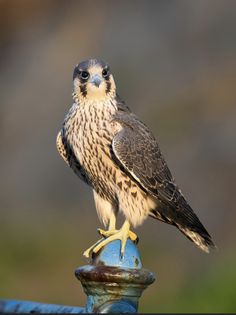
(116, 154)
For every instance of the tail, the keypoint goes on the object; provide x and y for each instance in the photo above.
(188, 223)
(199, 237)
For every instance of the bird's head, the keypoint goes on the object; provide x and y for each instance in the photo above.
(93, 81)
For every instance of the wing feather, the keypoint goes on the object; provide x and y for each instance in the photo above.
(136, 149)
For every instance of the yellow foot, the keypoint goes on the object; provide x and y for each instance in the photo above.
(112, 235)
(108, 233)
(87, 252)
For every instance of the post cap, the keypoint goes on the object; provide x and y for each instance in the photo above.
(110, 256)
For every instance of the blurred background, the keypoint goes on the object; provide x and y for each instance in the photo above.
(174, 64)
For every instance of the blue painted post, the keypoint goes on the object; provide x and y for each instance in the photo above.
(112, 285)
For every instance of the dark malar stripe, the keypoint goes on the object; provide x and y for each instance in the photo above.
(108, 88)
(83, 90)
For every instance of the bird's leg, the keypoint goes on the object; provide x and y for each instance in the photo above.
(111, 227)
(121, 235)
(112, 230)
(112, 234)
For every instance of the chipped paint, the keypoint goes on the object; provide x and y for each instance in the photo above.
(113, 284)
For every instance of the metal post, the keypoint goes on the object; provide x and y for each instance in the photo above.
(112, 285)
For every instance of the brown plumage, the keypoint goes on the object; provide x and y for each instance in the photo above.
(110, 149)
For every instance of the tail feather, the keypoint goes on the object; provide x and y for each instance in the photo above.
(201, 239)
(188, 223)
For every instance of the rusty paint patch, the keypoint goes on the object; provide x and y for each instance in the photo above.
(115, 274)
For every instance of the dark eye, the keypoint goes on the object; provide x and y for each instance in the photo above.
(105, 73)
(84, 75)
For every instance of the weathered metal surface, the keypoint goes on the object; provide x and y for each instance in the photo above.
(12, 306)
(110, 256)
(112, 284)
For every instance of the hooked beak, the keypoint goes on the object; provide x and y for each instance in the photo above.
(96, 80)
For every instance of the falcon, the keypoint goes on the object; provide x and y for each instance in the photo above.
(116, 154)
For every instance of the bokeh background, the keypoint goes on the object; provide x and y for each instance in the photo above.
(174, 63)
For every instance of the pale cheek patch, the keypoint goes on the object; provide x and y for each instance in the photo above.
(76, 85)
